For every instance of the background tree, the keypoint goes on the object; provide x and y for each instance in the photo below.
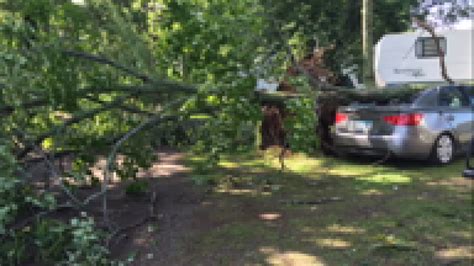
(329, 24)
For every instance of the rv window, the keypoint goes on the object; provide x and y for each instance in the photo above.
(425, 47)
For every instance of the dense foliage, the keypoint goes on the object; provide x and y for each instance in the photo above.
(81, 77)
(74, 243)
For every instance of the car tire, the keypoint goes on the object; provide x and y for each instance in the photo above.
(443, 150)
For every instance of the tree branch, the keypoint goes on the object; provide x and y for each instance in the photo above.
(124, 107)
(54, 171)
(441, 53)
(158, 86)
(113, 153)
(106, 61)
(76, 119)
(133, 90)
(145, 78)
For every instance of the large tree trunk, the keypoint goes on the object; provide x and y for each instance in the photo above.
(272, 129)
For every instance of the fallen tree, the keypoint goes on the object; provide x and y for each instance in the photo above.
(327, 101)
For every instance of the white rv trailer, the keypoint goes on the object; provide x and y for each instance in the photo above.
(412, 57)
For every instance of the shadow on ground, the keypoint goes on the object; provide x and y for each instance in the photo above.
(319, 211)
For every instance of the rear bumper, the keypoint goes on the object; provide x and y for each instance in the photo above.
(404, 142)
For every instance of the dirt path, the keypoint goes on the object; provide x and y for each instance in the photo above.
(187, 214)
(162, 242)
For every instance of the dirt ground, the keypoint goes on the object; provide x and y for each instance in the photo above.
(186, 212)
(319, 211)
(157, 241)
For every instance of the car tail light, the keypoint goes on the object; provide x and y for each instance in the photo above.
(340, 117)
(404, 119)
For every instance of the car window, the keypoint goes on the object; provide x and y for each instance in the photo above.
(428, 98)
(469, 90)
(452, 97)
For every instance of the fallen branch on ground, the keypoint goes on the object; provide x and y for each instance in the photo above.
(311, 202)
(54, 171)
(120, 231)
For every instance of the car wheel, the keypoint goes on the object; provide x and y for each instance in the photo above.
(443, 150)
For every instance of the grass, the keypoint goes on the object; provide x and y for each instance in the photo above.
(398, 213)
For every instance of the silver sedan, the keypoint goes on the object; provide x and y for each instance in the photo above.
(436, 124)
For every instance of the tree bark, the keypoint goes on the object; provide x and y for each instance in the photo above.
(367, 42)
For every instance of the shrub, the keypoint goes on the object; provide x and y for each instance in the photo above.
(300, 125)
(28, 236)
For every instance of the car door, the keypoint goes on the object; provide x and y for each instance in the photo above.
(456, 111)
